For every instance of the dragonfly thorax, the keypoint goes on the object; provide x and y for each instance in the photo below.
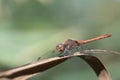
(67, 45)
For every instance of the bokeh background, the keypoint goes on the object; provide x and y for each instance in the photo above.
(32, 28)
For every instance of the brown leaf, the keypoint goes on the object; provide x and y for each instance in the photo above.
(97, 66)
(29, 70)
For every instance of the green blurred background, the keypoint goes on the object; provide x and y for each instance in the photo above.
(32, 28)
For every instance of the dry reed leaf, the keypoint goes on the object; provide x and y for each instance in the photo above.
(32, 69)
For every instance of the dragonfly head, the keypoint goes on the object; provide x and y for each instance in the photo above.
(60, 47)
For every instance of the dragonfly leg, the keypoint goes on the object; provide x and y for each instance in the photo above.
(80, 48)
(61, 54)
(65, 53)
(38, 58)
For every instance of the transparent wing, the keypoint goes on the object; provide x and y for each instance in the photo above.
(101, 51)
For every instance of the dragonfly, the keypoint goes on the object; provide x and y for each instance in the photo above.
(66, 47)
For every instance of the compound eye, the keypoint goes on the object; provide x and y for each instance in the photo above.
(60, 47)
